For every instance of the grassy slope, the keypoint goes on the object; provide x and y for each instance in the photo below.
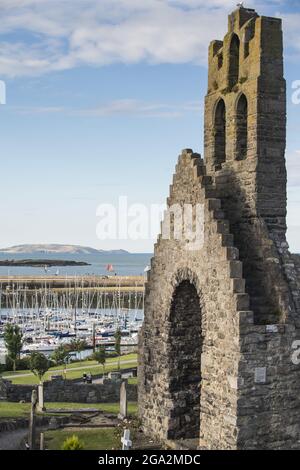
(17, 410)
(92, 439)
(132, 380)
(111, 365)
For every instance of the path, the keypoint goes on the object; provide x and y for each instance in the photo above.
(13, 440)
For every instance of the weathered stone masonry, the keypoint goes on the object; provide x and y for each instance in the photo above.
(220, 321)
(60, 390)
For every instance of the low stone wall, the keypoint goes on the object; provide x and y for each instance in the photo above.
(11, 392)
(3, 389)
(60, 390)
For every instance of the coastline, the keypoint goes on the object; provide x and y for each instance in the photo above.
(41, 263)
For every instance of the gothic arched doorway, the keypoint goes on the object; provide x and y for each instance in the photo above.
(185, 342)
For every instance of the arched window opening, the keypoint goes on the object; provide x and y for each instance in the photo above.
(220, 60)
(242, 128)
(246, 50)
(185, 348)
(220, 135)
(234, 61)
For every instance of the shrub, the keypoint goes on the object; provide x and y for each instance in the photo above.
(39, 364)
(72, 443)
(60, 355)
(21, 364)
(9, 363)
(111, 354)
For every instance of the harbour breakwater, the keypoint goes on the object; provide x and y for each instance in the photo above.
(87, 292)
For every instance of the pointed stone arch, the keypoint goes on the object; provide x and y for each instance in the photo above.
(241, 127)
(184, 357)
(219, 133)
(234, 60)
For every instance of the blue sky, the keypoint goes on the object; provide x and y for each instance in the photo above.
(101, 98)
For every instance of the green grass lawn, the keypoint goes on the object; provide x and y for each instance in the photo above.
(111, 365)
(18, 410)
(108, 407)
(111, 360)
(92, 439)
(13, 410)
(132, 380)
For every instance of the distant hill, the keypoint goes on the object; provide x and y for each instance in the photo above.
(41, 263)
(56, 248)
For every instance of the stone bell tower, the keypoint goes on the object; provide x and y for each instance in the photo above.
(245, 137)
(217, 368)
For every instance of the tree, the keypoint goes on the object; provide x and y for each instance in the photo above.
(100, 356)
(60, 354)
(118, 344)
(39, 364)
(13, 339)
(78, 345)
(72, 443)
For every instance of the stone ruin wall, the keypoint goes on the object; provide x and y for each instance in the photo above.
(246, 281)
(68, 391)
(296, 259)
(166, 412)
(252, 185)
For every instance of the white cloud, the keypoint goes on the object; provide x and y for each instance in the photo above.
(31, 110)
(292, 33)
(127, 107)
(39, 36)
(140, 109)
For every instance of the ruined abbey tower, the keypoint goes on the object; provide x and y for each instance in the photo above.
(221, 319)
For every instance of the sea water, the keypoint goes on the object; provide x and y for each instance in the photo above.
(124, 264)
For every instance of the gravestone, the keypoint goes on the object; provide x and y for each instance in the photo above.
(41, 406)
(115, 376)
(123, 400)
(126, 442)
(57, 377)
(42, 441)
(32, 421)
(53, 423)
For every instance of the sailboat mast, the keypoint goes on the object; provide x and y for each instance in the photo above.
(75, 309)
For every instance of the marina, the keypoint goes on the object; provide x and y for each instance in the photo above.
(52, 311)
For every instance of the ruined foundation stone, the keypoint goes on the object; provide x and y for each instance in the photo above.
(221, 319)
